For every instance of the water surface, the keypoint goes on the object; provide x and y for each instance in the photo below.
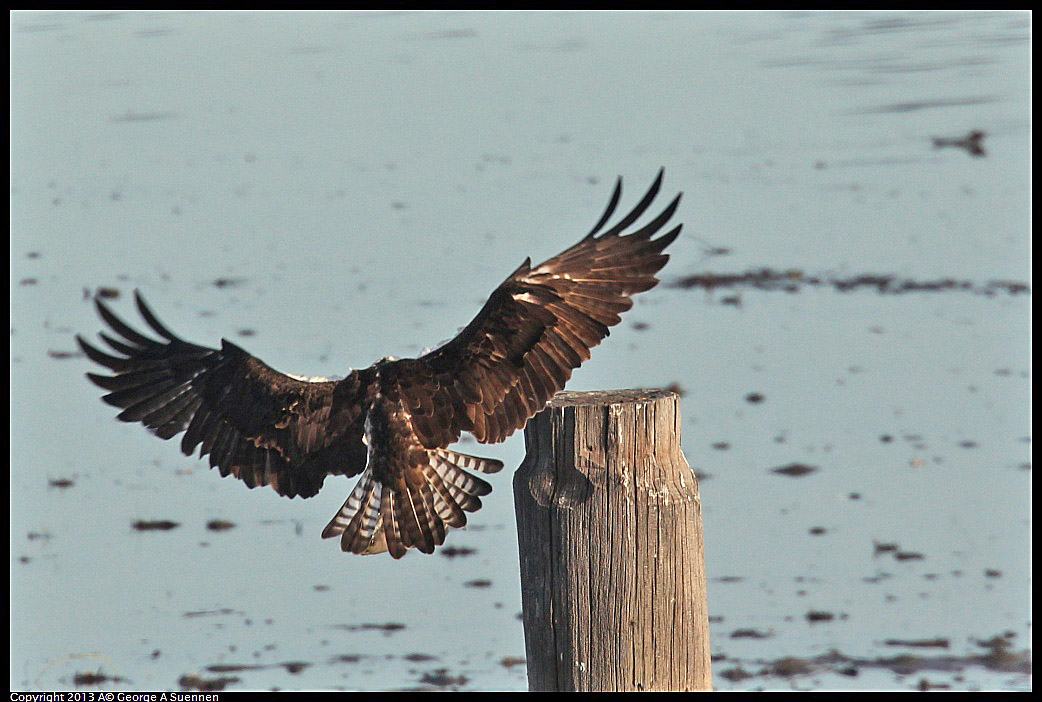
(328, 189)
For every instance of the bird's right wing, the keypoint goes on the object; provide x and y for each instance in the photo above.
(262, 426)
(534, 330)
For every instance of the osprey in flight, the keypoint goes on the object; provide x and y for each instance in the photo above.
(391, 422)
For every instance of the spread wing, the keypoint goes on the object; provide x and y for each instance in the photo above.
(261, 426)
(536, 328)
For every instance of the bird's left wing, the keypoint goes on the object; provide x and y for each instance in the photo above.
(262, 426)
(536, 328)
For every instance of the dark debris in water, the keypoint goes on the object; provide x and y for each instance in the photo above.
(512, 661)
(154, 525)
(442, 678)
(794, 470)
(925, 685)
(793, 280)
(387, 628)
(919, 643)
(917, 105)
(751, 634)
(884, 547)
(972, 143)
(998, 656)
(197, 682)
(233, 667)
(909, 556)
(816, 617)
(98, 678)
(790, 666)
(736, 674)
(209, 612)
(456, 551)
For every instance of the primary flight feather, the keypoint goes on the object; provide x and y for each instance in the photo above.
(392, 422)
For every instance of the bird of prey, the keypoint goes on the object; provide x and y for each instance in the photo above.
(390, 423)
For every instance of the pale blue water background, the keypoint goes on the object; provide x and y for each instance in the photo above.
(371, 177)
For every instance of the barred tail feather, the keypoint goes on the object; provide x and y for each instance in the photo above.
(417, 510)
(468, 462)
(358, 521)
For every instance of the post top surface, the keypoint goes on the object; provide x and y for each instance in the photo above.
(569, 398)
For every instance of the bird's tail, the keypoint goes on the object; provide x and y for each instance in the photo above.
(417, 509)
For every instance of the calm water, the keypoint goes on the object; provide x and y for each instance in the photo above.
(363, 181)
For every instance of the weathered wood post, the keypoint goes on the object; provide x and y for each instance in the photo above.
(610, 531)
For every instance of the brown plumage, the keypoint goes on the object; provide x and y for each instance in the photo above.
(391, 422)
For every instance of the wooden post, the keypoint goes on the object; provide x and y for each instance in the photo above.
(609, 526)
